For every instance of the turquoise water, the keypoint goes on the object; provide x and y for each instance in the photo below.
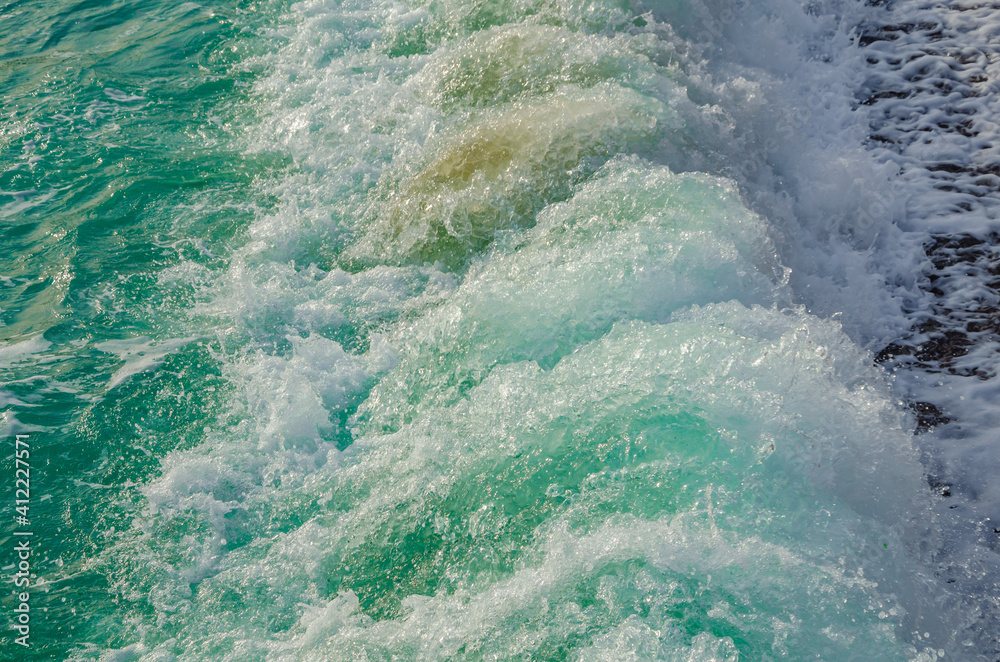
(436, 330)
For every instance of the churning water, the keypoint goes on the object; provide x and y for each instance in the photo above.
(469, 329)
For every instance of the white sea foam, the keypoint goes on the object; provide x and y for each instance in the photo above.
(13, 353)
(140, 355)
(503, 392)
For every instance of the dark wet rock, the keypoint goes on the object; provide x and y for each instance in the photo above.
(940, 488)
(928, 418)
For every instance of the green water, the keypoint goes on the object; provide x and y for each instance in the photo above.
(372, 331)
(105, 189)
